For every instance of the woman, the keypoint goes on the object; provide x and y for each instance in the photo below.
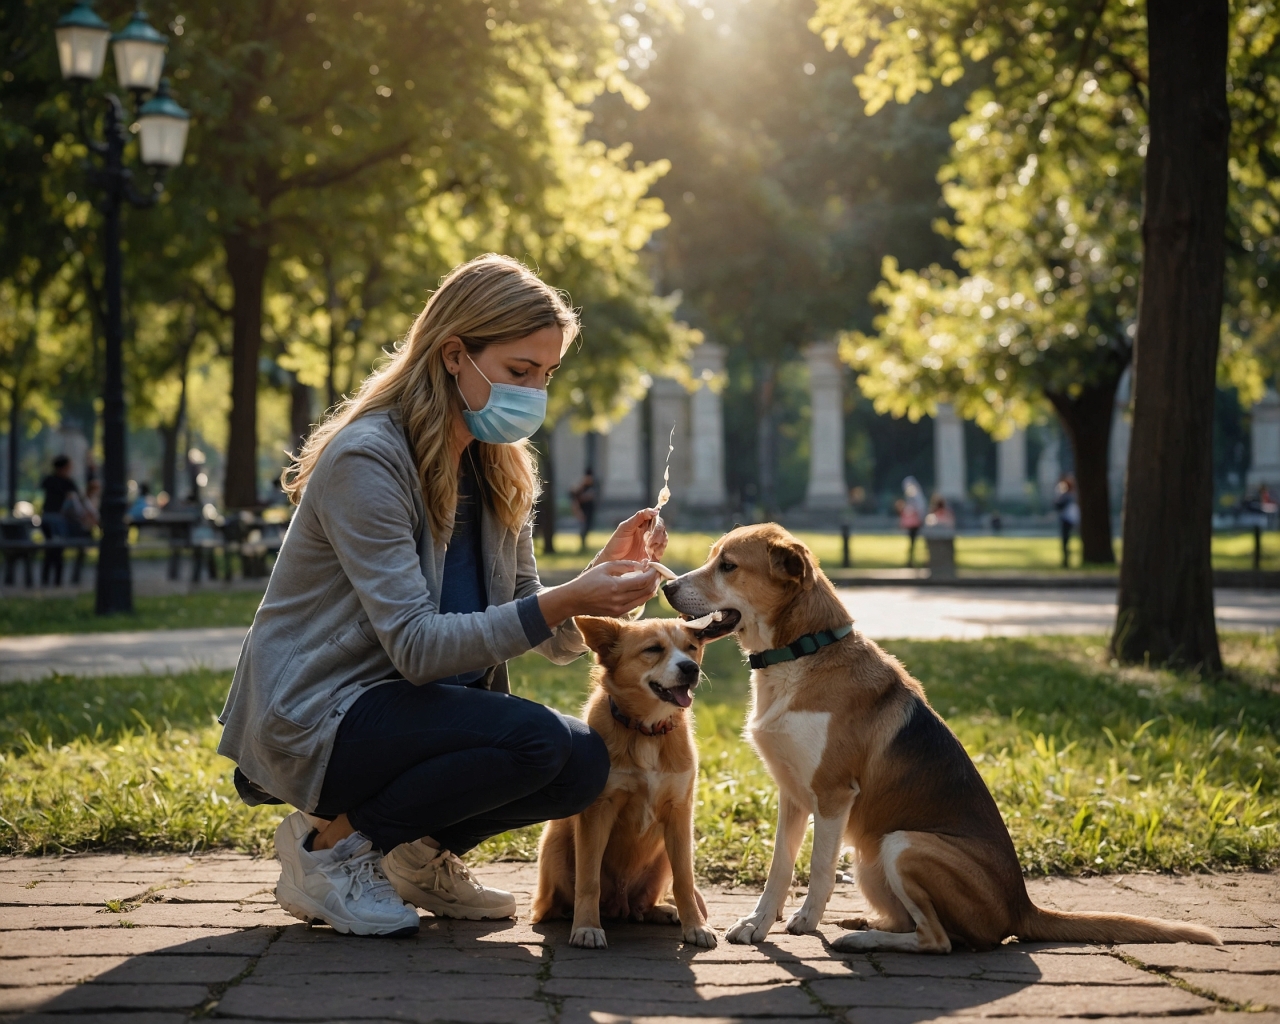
(372, 689)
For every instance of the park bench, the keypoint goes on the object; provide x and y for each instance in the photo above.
(253, 540)
(182, 531)
(18, 542)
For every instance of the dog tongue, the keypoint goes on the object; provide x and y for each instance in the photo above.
(683, 696)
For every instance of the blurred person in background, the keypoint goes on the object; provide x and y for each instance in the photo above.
(1068, 513)
(57, 486)
(911, 515)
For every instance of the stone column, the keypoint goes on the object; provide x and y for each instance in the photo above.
(1264, 467)
(1121, 429)
(950, 475)
(668, 407)
(827, 488)
(622, 475)
(1011, 467)
(706, 429)
(1049, 466)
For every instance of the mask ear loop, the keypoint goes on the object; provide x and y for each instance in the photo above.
(458, 384)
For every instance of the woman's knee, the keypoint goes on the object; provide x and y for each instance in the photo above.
(543, 742)
(586, 771)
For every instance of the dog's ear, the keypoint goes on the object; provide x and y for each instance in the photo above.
(602, 636)
(791, 560)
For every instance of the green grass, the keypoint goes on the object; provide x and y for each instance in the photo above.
(889, 551)
(214, 607)
(219, 607)
(1096, 768)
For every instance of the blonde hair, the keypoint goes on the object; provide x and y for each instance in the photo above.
(488, 301)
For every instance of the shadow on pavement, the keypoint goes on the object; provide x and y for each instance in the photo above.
(486, 972)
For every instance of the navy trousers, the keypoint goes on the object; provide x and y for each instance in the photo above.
(458, 764)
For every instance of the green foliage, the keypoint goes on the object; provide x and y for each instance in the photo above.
(340, 162)
(1045, 185)
(1095, 768)
(784, 197)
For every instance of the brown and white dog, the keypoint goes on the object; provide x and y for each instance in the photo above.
(622, 856)
(850, 738)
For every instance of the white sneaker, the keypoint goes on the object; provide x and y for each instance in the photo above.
(435, 880)
(344, 887)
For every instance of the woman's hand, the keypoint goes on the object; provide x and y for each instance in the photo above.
(628, 540)
(605, 589)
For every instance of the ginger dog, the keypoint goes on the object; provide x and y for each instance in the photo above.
(849, 737)
(621, 856)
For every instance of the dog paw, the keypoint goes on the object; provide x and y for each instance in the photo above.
(804, 920)
(748, 929)
(854, 942)
(588, 938)
(700, 935)
(855, 923)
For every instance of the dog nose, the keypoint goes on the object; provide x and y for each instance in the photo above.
(670, 587)
(688, 672)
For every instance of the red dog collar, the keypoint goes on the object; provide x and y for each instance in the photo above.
(661, 729)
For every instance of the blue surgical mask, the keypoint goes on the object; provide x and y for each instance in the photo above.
(511, 414)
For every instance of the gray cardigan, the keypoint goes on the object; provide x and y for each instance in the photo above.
(352, 603)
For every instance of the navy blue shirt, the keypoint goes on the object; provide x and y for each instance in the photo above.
(463, 589)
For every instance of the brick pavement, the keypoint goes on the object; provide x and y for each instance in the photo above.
(160, 939)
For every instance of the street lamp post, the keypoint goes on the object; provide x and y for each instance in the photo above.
(162, 129)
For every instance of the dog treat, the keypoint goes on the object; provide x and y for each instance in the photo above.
(661, 569)
(705, 621)
(664, 495)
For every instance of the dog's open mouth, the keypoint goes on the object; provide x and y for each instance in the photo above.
(680, 696)
(715, 624)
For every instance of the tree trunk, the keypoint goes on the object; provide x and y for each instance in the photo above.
(766, 439)
(1165, 604)
(247, 265)
(299, 412)
(1086, 419)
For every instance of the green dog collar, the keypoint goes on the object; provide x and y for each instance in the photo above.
(810, 643)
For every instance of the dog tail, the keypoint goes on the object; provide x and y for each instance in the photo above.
(1039, 925)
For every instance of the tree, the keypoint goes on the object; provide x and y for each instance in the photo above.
(298, 108)
(1047, 221)
(1165, 604)
(784, 196)
(1034, 59)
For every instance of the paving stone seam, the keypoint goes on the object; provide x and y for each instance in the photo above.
(219, 989)
(831, 1012)
(553, 1003)
(1186, 986)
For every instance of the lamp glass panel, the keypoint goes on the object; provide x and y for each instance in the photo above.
(162, 139)
(138, 63)
(82, 51)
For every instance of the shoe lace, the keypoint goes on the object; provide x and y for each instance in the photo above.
(449, 866)
(364, 875)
